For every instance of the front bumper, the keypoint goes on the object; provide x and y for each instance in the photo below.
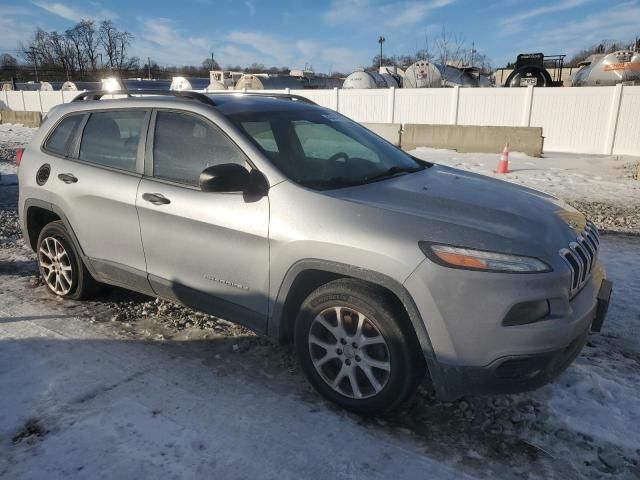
(473, 352)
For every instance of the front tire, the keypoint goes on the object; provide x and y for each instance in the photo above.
(61, 268)
(355, 347)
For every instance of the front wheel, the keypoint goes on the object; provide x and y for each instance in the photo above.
(355, 347)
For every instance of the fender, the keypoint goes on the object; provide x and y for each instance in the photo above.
(103, 271)
(277, 321)
(34, 202)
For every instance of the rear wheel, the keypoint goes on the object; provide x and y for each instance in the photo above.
(355, 348)
(61, 268)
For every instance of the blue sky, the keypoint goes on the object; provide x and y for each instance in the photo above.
(334, 34)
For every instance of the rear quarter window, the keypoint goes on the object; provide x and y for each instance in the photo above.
(60, 139)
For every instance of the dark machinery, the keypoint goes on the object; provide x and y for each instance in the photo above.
(532, 69)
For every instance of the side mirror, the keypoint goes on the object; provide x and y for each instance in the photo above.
(226, 177)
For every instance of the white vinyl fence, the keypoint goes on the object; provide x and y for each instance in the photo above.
(596, 120)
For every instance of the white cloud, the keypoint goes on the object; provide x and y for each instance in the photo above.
(620, 23)
(251, 7)
(164, 43)
(371, 12)
(74, 14)
(515, 22)
(278, 51)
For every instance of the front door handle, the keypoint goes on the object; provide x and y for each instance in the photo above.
(68, 178)
(155, 198)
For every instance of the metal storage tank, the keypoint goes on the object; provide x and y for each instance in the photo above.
(422, 74)
(366, 80)
(226, 77)
(609, 69)
(70, 86)
(263, 81)
(46, 87)
(216, 85)
(189, 83)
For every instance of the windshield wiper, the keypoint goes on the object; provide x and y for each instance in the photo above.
(390, 172)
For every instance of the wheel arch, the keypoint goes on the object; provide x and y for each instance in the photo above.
(306, 275)
(36, 210)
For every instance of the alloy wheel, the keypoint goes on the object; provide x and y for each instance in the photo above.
(349, 352)
(55, 265)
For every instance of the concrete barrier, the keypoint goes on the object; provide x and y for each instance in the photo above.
(28, 119)
(470, 138)
(391, 132)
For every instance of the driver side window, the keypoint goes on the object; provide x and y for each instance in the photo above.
(320, 141)
(184, 145)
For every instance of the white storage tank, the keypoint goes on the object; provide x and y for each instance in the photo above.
(189, 83)
(367, 80)
(422, 74)
(610, 69)
(264, 81)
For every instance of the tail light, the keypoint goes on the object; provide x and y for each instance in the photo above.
(19, 153)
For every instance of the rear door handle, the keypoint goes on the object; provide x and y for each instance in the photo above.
(67, 178)
(156, 198)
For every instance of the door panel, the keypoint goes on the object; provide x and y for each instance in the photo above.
(213, 243)
(100, 206)
(97, 192)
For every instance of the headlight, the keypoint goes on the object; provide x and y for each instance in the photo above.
(469, 259)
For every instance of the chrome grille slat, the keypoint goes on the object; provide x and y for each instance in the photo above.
(581, 256)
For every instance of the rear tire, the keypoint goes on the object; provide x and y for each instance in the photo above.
(356, 348)
(61, 268)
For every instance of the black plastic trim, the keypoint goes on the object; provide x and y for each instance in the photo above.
(208, 303)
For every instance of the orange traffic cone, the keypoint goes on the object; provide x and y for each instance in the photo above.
(503, 164)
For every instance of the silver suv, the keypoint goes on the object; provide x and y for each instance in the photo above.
(301, 224)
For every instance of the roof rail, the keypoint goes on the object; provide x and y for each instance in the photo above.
(98, 94)
(289, 96)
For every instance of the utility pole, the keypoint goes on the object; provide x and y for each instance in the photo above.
(35, 63)
(473, 51)
(381, 40)
(148, 68)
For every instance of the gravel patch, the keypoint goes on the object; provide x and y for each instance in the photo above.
(611, 217)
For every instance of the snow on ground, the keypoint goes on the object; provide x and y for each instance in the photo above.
(569, 176)
(11, 137)
(603, 187)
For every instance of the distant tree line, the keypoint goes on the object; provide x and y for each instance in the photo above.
(447, 48)
(91, 51)
(606, 46)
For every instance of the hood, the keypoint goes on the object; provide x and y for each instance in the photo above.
(466, 209)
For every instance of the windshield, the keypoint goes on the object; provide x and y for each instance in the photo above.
(323, 149)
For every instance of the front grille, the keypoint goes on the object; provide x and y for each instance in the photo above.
(581, 256)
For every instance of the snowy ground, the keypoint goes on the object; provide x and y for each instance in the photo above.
(128, 387)
(601, 186)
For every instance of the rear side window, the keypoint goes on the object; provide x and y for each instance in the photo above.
(111, 139)
(59, 142)
(184, 145)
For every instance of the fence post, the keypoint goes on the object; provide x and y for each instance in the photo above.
(528, 104)
(453, 119)
(6, 99)
(614, 111)
(336, 99)
(39, 101)
(392, 103)
(24, 106)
